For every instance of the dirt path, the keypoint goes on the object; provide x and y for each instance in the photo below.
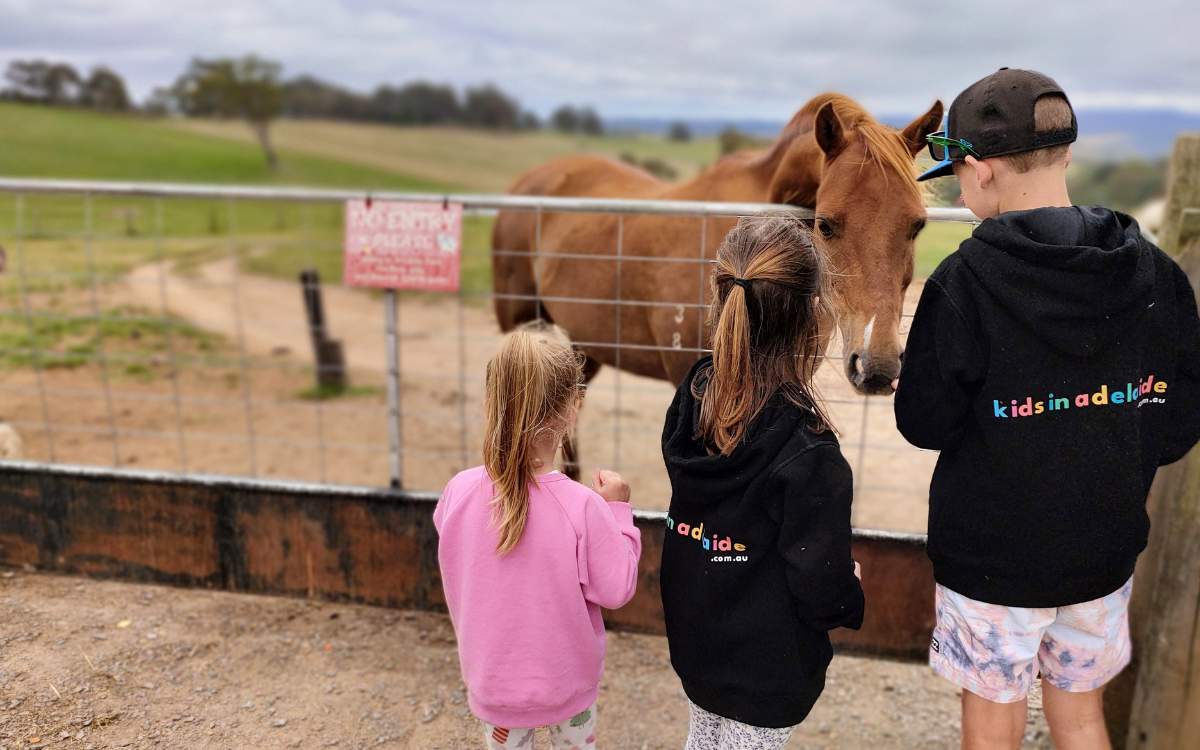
(272, 314)
(93, 664)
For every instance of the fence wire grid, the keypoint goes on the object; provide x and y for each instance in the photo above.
(162, 327)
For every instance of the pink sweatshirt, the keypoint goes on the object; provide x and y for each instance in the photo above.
(530, 635)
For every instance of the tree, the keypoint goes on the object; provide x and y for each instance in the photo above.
(731, 139)
(62, 84)
(161, 101)
(568, 119)
(1124, 185)
(41, 81)
(488, 107)
(653, 165)
(679, 131)
(416, 103)
(565, 119)
(659, 168)
(104, 90)
(306, 96)
(247, 88)
(529, 121)
(589, 122)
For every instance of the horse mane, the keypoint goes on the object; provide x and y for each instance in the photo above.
(882, 144)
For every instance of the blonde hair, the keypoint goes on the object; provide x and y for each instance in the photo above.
(1050, 112)
(765, 339)
(532, 387)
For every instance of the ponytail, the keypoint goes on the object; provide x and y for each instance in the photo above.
(768, 298)
(727, 400)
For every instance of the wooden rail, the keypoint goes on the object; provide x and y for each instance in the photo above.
(344, 544)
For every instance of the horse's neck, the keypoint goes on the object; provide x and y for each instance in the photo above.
(796, 172)
(759, 177)
(795, 161)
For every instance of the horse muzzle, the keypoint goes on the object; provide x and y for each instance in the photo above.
(870, 375)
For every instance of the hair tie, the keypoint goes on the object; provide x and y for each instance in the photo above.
(743, 283)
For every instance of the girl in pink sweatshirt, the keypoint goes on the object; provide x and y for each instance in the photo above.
(528, 556)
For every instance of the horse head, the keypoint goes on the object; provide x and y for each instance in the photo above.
(858, 177)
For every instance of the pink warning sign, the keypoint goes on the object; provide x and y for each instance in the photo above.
(394, 245)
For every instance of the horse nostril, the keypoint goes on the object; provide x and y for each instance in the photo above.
(854, 365)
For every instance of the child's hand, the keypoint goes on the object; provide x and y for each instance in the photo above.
(857, 570)
(611, 486)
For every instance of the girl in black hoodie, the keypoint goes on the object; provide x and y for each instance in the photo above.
(756, 564)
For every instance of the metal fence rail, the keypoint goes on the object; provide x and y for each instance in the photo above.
(470, 201)
(76, 249)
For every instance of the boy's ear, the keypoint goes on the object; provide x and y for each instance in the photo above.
(914, 133)
(982, 171)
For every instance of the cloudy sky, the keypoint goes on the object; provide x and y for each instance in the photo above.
(695, 58)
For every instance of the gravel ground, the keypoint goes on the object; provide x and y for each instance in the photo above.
(102, 664)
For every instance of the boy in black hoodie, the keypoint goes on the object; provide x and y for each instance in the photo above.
(1054, 360)
(756, 565)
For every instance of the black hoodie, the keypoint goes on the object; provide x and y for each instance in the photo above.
(756, 562)
(1054, 360)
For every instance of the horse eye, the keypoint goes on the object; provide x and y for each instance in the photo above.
(825, 227)
(917, 226)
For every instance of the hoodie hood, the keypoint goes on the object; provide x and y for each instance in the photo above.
(1077, 277)
(699, 475)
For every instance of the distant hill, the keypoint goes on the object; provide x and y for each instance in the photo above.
(1105, 134)
(1122, 133)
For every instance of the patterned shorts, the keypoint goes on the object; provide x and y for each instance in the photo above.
(996, 652)
(576, 733)
(707, 731)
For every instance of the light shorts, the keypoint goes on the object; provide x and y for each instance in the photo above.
(576, 733)
(996, 652)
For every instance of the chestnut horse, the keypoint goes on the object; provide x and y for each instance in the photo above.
(833, 157)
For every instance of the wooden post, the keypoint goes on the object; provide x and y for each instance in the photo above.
(1164, 707)
(330, 361)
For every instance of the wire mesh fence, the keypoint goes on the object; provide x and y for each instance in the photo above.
(164, 327)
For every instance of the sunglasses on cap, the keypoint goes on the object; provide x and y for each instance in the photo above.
(943, 148)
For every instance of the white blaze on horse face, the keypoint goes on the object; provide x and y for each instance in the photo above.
(868, 331)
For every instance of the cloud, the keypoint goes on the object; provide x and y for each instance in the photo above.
(701, 58)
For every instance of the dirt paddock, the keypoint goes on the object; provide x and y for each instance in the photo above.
(264, 357)
(101, 664)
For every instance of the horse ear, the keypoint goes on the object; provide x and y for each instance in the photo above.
(828, 130)
(914, 134)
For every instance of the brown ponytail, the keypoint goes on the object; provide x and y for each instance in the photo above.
(531, 390)
(768, 296)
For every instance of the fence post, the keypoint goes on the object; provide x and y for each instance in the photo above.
(327, 352)
(1164, 708)
(395, 426)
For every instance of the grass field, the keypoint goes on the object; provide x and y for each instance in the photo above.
(475, 160)
(72, 341)
(55, 142)
(64, 143)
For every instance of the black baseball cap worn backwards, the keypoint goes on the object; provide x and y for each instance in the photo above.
(994, 117)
